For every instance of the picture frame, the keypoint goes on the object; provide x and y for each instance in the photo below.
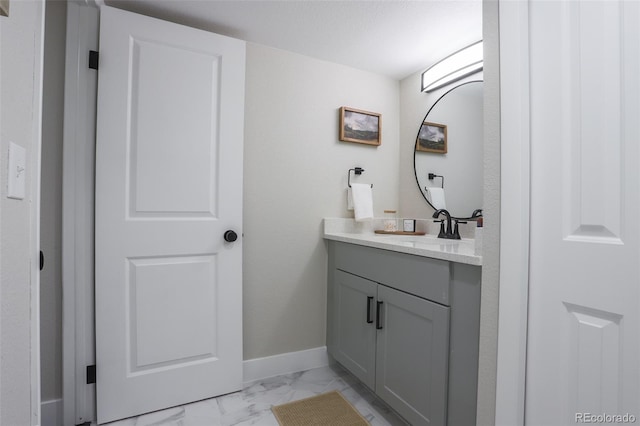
(360, 126)
(4, 7)
(432, 137)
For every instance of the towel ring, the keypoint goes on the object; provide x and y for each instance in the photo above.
(433, 175)
(358, 171)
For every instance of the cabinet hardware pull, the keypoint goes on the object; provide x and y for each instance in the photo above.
(379, 316)
(369, 300)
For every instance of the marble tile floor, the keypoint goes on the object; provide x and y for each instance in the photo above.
(252, 405)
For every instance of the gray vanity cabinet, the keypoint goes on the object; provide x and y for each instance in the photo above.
(407, 327)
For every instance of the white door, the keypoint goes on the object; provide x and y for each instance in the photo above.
(584, 325)
(168, 186)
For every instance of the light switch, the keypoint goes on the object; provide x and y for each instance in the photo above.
(17, 171)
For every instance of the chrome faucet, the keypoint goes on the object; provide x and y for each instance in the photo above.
(444, 232)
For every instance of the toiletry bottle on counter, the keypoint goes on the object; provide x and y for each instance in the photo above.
(390, 221)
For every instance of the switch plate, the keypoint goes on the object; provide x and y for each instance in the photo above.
(17, 172)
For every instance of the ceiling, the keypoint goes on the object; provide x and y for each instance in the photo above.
(388, 37)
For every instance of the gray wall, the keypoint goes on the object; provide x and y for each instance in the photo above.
(295, 173)
(20, 61)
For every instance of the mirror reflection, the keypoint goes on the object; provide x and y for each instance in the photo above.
(448, 155)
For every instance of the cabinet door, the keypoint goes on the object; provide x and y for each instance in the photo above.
(412, 356)
(354, 325)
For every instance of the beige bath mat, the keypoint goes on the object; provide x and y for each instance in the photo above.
(327, 409)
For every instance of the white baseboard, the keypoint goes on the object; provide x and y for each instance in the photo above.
(291, 362)
(51, 413)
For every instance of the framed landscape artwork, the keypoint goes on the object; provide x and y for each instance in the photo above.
(4, 7)
(360, 126)
(432, 138)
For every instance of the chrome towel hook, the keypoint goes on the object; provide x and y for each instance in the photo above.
(358, 171)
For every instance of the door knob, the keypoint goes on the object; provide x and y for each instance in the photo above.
(230, 236)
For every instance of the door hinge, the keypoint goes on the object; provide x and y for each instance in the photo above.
(91, 374)
(93, 59)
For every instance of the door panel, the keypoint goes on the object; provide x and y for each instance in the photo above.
(160, 177)
(356, 338)
(168, 185)
(187, 284)
(412, 356)
(583, 335)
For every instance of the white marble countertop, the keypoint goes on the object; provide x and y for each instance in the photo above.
(348, 231)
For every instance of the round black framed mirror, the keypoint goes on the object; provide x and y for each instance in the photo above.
(448, 152)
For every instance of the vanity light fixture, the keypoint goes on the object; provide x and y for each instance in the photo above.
(458, 65)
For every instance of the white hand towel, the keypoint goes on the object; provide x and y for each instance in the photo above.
(362, 201)
(436, 197)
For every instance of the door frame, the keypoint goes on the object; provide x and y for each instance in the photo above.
(514, 212)
(34, 244)
(78, 178)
